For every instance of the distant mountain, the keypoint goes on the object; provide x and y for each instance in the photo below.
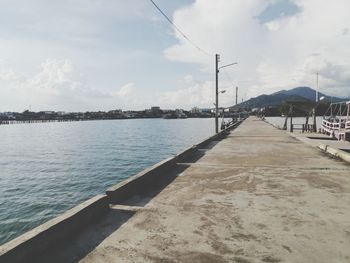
(308, 93)
(280, 97)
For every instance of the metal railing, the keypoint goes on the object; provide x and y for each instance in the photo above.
(347, 126)
(302, 127)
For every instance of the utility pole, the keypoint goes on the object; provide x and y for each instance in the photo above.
(316, 102)
(217, 59)
(236, 95)
(217, 68)
(316, 87)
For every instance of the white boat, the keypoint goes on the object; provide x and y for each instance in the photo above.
(337, 123)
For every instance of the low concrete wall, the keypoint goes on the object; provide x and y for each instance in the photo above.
(55, 231)
(49, 234)
(335, 152)
(138, 184)
(146, 179)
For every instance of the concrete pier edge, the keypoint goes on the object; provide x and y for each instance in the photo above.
(259, 195)
(335, 152)
(327, 149)
(135, 184)
(56, 230)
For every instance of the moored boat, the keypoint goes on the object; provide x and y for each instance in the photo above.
(337, 123)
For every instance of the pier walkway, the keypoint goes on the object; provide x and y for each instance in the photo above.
(259, 195)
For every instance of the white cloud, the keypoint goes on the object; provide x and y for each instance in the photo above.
(197, 95)
(101, 37)
(201, 94)
(188, 79)
(8, 75)
(56, 86)
(276, 55)
(273, 25)
(55, 78)
(125, 91)
(116, 49)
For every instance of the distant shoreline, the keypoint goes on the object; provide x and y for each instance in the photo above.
(9, 122)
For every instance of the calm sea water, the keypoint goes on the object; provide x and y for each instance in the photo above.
(47, 168)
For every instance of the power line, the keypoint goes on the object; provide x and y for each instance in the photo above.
(179, 30)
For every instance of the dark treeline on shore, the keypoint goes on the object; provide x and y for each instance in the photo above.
(154, 112)
(283, 110)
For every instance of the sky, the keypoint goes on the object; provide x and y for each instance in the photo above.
(114, 54)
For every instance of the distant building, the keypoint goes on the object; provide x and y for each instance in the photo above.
(130, 114)
(220, 109)
(232, 109)
(155, 109)
(206, 110)
(9, 115)
(195, 110)
(180, 113)
(116, 111)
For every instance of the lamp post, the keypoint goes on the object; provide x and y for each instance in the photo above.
(316, 87)
(217, 69)
(316, 104)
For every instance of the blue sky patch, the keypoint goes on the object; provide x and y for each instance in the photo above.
(278, 9)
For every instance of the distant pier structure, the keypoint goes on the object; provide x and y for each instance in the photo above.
(307, 109)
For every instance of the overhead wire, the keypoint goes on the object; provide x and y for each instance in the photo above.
(179, 30)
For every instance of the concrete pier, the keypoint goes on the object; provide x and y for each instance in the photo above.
(259, 195)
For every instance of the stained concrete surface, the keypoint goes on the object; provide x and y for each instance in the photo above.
(259, 195)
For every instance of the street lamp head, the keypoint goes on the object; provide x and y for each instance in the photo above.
(231, 64)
